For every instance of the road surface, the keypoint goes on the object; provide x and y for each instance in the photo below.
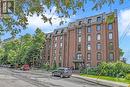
(16, 78)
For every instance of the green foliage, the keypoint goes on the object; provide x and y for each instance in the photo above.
(121, 53)
(26, 49)
(128, 76)
(110, 19)
(117, 69)
(46, 67)
(14, 23)
(54, 66)
(89, 71)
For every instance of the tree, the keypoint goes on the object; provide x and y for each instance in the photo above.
(121, 53)
(14, 23)
(34, 52)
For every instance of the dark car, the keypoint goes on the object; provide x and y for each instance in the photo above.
(62, 72)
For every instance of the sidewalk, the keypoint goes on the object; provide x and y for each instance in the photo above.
(102, 82)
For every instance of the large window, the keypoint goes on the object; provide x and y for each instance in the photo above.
(98, 27)
(55, 44)
(79, 38)
(111, 56)
(89, 29)
(89, 21)
(111, 46)
(61, 44)
(61, 37)
(110, 36)
(99, 56)
(60, 51)
(79, 56)
(54, 51)
(55, 38)
(89, 37)
(79, 47)
(88, 64)
(110, 26)
(79, 31)
(98, 36)
(60, 58)
(89, 46)
(98, 19)
(88, 56)
(98, 46)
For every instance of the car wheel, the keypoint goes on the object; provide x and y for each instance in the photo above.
(68, 76)
(61, 75)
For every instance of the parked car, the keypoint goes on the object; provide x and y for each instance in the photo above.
(62, 72)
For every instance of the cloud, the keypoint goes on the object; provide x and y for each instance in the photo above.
(36, 21)
(124, 21)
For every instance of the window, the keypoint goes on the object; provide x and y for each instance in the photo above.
(62, 31)
(54, 57)
(89, 46)
(59, 64)
(98, 46)
(79, 31)
(99, 56)
(79, 56)
(89, 37)
(111, 46)
(98, 36)
(60, 51)
(80, 22)
(48, 58)
(110, 26)
(79, 47)
(61, 44)
(79, 38)
(55, 44)
(110, 36)
(98, 19)
(56, 32)
(88, 64)
(89, 29)
(98, 27)
(60, 58)
(54, 51)
(89, 20)
(55, 38)
(88, 56)
(111, 56)
(61, 37)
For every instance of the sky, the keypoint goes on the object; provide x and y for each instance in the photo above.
(123, 22)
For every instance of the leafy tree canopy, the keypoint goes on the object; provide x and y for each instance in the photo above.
(14, 23)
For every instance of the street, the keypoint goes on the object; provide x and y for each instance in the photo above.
(17, 78)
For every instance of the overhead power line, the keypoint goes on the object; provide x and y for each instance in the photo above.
(125, 33)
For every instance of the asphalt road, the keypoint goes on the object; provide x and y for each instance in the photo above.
(16, 78)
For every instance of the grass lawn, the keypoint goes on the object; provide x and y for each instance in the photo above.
(123, 80)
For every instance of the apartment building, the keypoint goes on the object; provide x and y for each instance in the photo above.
(84, 43)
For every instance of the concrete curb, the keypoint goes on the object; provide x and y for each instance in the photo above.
(102, 82)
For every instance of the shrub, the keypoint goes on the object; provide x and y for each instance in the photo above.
(117, 69)
(89, 71)
(45, 66)
(128, 76)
